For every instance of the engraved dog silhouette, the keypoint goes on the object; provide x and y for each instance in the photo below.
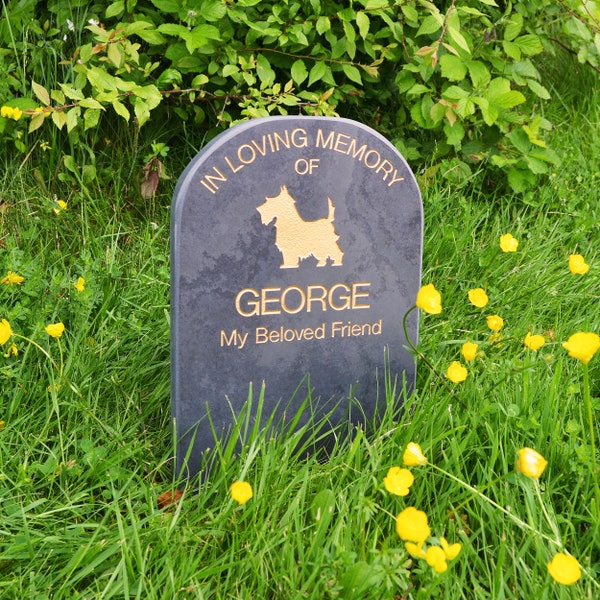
(296, 238)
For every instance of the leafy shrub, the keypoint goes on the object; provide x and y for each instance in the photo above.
(452, 82)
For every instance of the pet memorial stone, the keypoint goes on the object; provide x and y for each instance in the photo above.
(296, 248)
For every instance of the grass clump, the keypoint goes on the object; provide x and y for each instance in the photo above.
(88, 505)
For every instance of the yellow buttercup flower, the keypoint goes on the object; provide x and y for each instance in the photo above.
(398, 481)
(55, 330)
(2, 425)
(534, 342)
(11, 112)
(5, 331)
(80, 285)
(12, 278)
(582, 346)
(60, 206)
(508, 243)
(436, 558)
(12, 351)
(429, 299)
(413, 456)
(495, 323)
(469, 351)
(450, 550)
(241, 491)
(456, 372)
(412, 525)
(577, 264)
(478, 297)
(415, 550)
(531, 463)
(564, 569)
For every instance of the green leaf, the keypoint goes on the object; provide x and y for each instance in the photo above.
(454, 133)
(520, 140)
(546, 154)
(167, 6)
(438, 112)
(322, 508)
(120, 109)
(363, 23)
(88, 173)
(213, 10)
(323, 25)
(90, 118)
(199, 80)
(141, 110)
(36, 121)
(346, 15)
(430, 24)
(317, 72)
(530, 44)
(513, 27)
(173, 29)
(299, 71)
(229, 70)
(478, 72)
(135, 27)
(535, 165)
(71, 93)
(458, 38)
(510, 99)
(114, 55)
(500, 94)
(90, 103)
(453, 68)
(539, 90)
(357, 579)
(489, 112)
(520, 180)
(352, 73)
(263, 70)
(100, 79)
(200, 35)
(169, 77)
(350, 47)
(410, 12)
(454, 93)
(58, 97)
(525, 68)
(41, 92)
(349, 32)
(73, 118)
(417, 90)
(59, 118)
(512, 50)
(152, 37)
(114, 9)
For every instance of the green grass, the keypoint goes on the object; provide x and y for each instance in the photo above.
(86, 448)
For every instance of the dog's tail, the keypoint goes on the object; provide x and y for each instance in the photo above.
(331, 210)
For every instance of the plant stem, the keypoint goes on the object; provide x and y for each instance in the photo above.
(58, 368)
(538, 493)
(588, 404)
(482, 496)
(422, 357)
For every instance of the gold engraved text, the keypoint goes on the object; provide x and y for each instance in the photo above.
(294, 299)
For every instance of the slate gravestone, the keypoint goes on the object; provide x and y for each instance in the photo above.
(296, 249)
